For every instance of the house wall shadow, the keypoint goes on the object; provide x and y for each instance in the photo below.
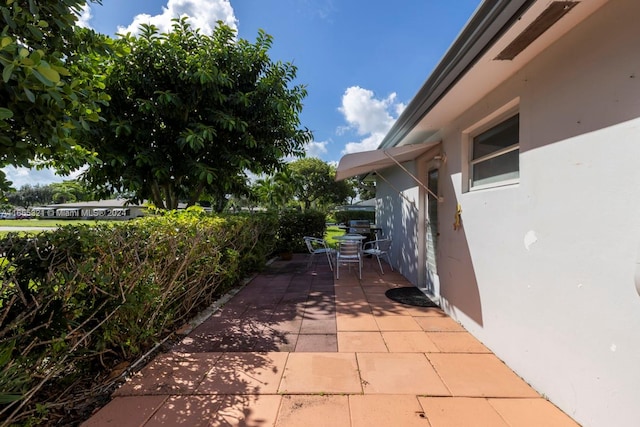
(398, 213)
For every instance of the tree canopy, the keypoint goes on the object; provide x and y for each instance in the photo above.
(57, 192)
(190, 113)
(50, 87)
(316, 183)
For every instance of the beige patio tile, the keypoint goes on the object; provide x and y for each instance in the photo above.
(245, 411)
(277, 341)
(286, 325)
(360, 341)
(531, 413)
(387, 307)
(386, 410)
(397, 323)
(319, 326)
(409, 342)
(348, 276)
(317, 343)
(457, 342)
(376, 291)
(194, 411)
(245, 373)
(479, 375)
(126, 411)
(352, 305)
(438, 324)
(375, 379)
(461, 412)
(321, 373)
(170, 373)
(314, 411)
(399, 373)
(423, 311)
(349, 294)
(356, 322)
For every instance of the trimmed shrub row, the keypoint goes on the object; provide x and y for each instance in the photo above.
(77, 302)
(294, 225)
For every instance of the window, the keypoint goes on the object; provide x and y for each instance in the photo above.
(495, 155)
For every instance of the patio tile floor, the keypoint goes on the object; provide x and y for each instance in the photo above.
(295, 347)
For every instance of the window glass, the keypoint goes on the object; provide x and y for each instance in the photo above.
(497, 169)
(496, 154)
(497, 138)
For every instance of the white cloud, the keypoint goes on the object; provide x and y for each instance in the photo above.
(369, 143)
(85, 16)
(203, 14)
(317, 148)
(22, 176)
(370, 117)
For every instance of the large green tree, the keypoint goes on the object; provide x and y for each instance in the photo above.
(191, 113)
(316, 185)
(50, 88)
(31, 195)
(70, 191)
(275, 191)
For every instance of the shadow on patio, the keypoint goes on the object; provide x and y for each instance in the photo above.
(296, 348)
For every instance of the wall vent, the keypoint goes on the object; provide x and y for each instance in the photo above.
(542, 23)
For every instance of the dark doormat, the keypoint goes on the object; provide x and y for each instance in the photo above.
(411, 296)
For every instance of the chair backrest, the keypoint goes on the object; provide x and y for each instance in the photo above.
(383, 244)
(314, 243)
(349, 248)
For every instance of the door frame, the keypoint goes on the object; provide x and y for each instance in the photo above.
(432, 160)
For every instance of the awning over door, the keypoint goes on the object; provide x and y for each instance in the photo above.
(370, 161)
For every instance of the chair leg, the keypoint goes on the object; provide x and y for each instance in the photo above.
(329, 259)
(380, 264)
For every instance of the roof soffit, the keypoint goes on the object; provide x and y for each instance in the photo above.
(428, 112)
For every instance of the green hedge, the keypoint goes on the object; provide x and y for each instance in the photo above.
(78, 301)
(294, 225)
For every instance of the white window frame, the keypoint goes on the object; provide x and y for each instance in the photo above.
(489, 122)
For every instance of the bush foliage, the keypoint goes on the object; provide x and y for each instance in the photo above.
(78, 301)
(294, 225)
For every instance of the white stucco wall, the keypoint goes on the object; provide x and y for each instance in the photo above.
(543, 271)
(552, 260)
(398, 218)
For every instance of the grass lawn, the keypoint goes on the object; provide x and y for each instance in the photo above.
(333, 231)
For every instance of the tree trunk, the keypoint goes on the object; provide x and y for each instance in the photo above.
(195, 195)
(156, 196)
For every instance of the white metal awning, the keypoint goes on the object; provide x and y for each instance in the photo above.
(370, 161)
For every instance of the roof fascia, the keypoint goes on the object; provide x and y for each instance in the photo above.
(490, 21)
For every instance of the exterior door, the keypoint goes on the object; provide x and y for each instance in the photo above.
(432, 279)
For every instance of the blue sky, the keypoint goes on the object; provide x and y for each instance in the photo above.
(361, 60)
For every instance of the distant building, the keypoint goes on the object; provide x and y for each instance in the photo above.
(363, 205)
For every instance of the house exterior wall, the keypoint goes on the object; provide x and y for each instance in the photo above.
(398, 218)
(542, 272)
